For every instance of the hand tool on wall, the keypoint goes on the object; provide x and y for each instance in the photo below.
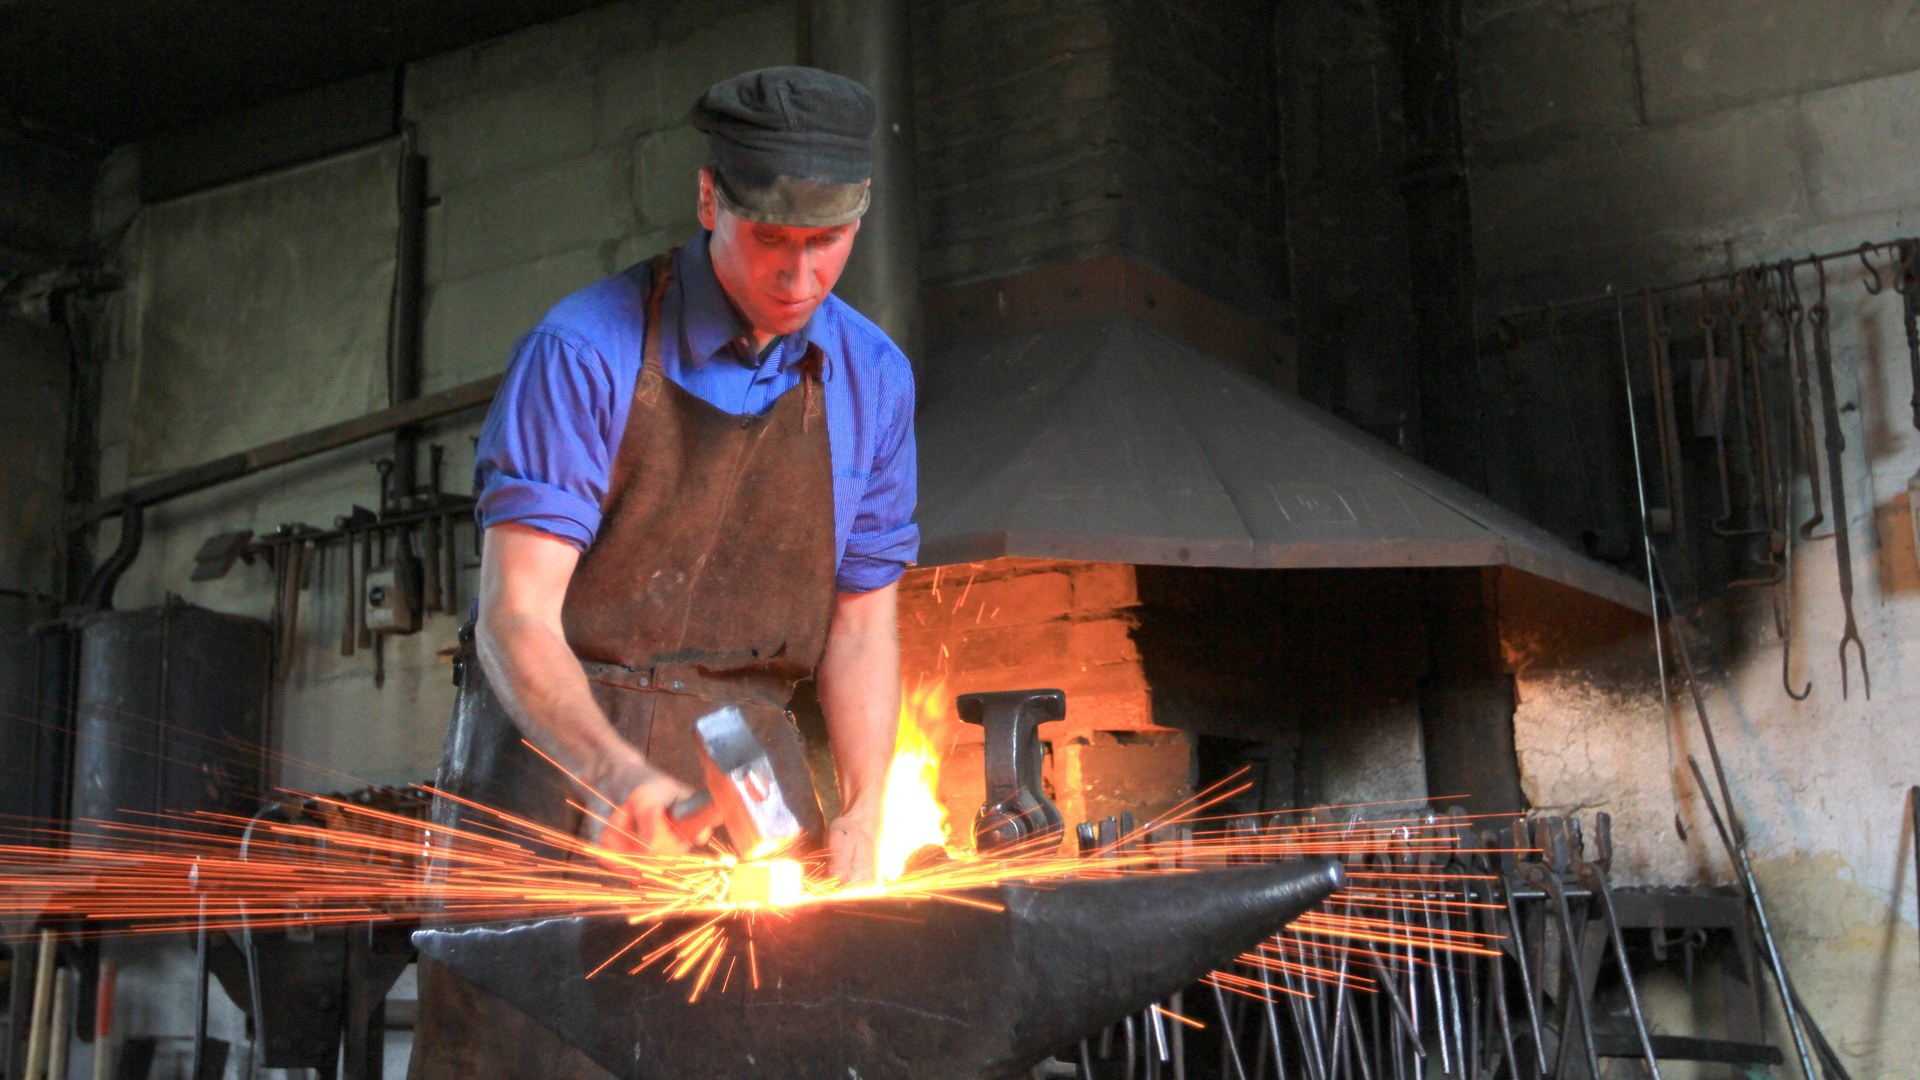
(432, 563)
(1792, 317)
(1836, 442)
(1739, 361)
(1670, 518)
(360, 629)
(742, 792)
(1752, 305)
(350, 592)
(219, 552)
(1710, 406)
(1913, 824)
(1017, 810)
(1796, 315)
(1907, 282)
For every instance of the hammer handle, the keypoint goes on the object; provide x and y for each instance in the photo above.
(693, 815)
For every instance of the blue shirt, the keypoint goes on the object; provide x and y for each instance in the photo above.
(555, 426)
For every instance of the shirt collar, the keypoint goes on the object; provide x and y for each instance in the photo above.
(708, 322)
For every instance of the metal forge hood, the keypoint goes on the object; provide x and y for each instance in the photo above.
(1108, 442)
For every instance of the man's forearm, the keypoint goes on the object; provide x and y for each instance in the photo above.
(859, 681)
(541, 684)
(523, 651)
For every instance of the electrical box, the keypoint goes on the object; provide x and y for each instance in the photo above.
(391, 597)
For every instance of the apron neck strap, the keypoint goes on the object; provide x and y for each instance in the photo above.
(662, 273)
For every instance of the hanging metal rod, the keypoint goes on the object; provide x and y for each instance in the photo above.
(1610, 295)
(283, 451)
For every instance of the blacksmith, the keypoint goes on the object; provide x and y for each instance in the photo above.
(697, 485)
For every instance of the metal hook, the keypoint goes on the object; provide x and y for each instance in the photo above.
(1786, 680)
(1873, 288)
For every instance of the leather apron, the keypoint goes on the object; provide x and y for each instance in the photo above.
(710, 583)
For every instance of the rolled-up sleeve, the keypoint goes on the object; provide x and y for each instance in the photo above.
(885, 540)
(546, 450)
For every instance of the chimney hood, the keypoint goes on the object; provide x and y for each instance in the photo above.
(1109, 442)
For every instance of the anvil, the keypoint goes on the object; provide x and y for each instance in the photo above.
(891, 986)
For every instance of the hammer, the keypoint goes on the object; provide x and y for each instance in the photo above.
(742, 792)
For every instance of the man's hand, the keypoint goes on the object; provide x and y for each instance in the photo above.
(638, 824)
(853, 849)
(860, 693)
(523, 650)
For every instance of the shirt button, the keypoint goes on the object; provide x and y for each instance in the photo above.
(644, 680)
(746, 423)
(676, 684)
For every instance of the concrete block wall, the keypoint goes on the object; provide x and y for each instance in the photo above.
(1641, 142)
(562, 154)
(556, 156)
(1012, 624)
(32, 455)
(1660, 137)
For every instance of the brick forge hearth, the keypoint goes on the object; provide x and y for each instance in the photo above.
(1025, 623)
(1377, 689)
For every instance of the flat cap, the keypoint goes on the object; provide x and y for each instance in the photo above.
(790, 145)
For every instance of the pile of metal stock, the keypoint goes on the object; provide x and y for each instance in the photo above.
(1533, 986)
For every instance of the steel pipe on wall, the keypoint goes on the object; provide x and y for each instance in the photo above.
(867, 40)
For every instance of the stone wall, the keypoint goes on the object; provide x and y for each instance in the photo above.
(1628, 143)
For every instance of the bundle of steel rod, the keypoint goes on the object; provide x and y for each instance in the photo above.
(1462, 947)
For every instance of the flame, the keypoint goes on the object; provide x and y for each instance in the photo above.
(913, 817)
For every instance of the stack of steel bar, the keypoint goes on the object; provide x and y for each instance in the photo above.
(1462, 947)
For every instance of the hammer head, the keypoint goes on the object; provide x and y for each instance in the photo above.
(746, 795)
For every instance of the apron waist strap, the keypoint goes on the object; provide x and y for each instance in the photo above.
(758, 687)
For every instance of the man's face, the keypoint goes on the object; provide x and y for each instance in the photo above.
(776, 275)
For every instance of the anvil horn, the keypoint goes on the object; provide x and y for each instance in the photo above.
(890, 987)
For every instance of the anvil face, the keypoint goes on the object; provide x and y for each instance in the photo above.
(890, 987)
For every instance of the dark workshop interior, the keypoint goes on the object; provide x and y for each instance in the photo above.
(1418, 507)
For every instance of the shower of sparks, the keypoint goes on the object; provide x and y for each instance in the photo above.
(315, 860)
